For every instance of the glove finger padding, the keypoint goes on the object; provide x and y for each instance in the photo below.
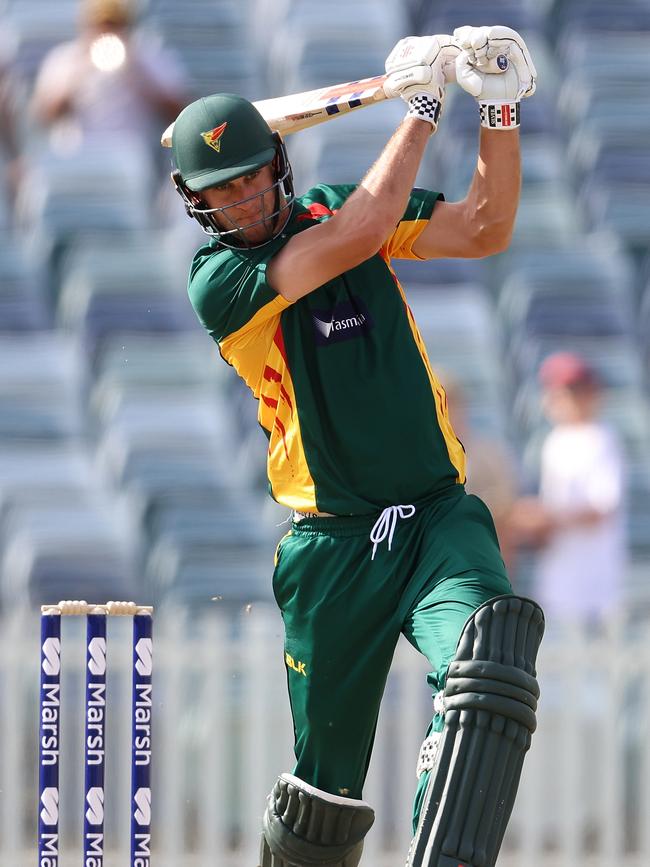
(413, 55)
(496, 85)
(472, 39)
(493, 51)
(520, 58)
(499, 37)
(417, 51)
(418, 69)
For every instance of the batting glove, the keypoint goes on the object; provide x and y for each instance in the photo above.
(495, 66)
(418, 69)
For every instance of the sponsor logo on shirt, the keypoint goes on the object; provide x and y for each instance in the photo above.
(344, 321)
(297, 666)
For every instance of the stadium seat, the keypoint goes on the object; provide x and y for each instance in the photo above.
(445, 16)
(116, 288)
(39, 389)
(23, 305)
(231, 575)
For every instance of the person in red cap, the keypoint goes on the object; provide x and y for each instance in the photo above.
(576, 521)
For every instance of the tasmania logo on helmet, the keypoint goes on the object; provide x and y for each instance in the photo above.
(213, 136)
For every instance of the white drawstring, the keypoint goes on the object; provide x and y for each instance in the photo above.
(386, 523)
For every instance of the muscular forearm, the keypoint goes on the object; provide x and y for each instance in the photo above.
(362, 224)
(482, 223)
(379, 202)
(493, 196)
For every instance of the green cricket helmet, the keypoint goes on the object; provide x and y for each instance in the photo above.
(219, 138)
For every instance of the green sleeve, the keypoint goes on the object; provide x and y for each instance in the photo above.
(228, 289)
(417, 214)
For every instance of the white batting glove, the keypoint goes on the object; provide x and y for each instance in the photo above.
(495, 66)
(418, 69)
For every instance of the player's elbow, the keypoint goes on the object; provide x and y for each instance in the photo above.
(361, 239)
(371, 241)
(493, 242)
(489, 237)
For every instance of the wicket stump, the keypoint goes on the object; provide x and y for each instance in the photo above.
(95, 730)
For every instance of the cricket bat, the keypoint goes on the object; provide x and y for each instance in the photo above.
(289, 114)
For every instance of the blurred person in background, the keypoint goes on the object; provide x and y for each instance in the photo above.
(10, 144)
(576, 522)
(108, 82)
(491, 472)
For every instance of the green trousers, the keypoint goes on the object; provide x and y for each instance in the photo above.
(344, 610)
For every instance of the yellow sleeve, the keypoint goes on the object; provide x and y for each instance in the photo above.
(418, 212)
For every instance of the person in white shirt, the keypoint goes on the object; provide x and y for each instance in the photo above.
(577, 520)
(108, 81)
(11, 159)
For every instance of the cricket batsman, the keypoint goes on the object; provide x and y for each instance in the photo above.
(299, 294)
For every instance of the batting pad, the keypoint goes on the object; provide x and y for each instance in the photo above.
(306, 827)
(490, 700)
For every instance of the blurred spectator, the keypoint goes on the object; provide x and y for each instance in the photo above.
(12, 162)
(108, 81)
(577, 519)
(490, 469)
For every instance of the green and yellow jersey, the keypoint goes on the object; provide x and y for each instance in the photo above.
(355, 417)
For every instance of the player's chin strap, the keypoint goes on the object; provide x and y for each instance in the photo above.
(475, 763)
(306, 827)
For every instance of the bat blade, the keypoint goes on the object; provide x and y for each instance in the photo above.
(289, 114)
(298, 111)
